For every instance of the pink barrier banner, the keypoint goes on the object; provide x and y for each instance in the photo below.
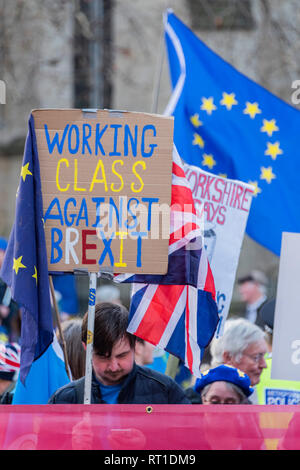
(141, 427)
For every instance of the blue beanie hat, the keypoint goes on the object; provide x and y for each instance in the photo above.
(225, 373)
(3, 244)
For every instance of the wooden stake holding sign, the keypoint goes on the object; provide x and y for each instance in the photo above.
(106, 181)
(90, 339)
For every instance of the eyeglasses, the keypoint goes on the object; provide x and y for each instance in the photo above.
(218, 401)
(256, 357)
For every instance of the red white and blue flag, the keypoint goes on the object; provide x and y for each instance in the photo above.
(177, 311)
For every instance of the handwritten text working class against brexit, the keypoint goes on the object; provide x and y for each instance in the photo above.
(99, 200)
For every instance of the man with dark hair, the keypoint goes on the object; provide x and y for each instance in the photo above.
(116, 376)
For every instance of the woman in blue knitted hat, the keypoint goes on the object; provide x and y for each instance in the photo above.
(222, 385)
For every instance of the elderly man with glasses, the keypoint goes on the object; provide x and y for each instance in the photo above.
(243, 346)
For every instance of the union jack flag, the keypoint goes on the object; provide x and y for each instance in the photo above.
(9, 357)
(177, 311)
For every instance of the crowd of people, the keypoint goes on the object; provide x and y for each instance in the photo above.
(124, 366)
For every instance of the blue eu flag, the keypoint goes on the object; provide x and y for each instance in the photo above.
(227, 124)
(25, 267)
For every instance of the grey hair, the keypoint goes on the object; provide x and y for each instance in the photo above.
(238, 335)
(231, 387)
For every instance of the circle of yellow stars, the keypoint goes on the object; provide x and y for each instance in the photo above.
(251, 109)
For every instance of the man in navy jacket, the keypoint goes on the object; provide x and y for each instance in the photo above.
(116, 377)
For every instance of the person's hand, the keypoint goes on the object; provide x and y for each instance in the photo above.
(130, 438)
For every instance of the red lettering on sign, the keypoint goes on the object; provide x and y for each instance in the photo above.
(87, 246)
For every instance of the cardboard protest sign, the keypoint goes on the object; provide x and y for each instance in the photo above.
(106, 184)
(286, 333)
(223, 205)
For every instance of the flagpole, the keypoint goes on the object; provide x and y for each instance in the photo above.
(58, 322)
(156, 87)
(173, 362)
(90, 338)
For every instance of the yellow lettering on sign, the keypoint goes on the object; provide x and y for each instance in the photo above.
(112, 186)
(57, 174)
(132, 186)
(95, 180)
(120, 263)
(76, 177)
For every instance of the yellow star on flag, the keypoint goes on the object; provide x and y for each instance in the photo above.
(267, 174)
(257, 189)
(208, 105)
(208, 160)
(198, 140)
(269, 127)
(195, 120)
(241, 373)
(18, 264)
(25, 171)
(273, 150)
(35, 274)
(228, 100)
(252, 109)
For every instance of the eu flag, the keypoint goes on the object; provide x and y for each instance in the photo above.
(229, 125)
(25, 268)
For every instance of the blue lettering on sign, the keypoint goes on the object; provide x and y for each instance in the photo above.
(99, 134)
(134, 220)
(151, 146)
(133, 140)
(70, 221)
(85, 138)
(92, 296)
(275, 396)
(75, 139)
(115, 153)
(150, 200)
(49, 215)
(73, 150)
(139, 236)
(97, 201)
(55, 245)
(221, 298)
(55, 141)
(107, 248)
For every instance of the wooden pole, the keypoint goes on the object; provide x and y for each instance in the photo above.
(90, 339)
(156, 88)
(58, 322)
